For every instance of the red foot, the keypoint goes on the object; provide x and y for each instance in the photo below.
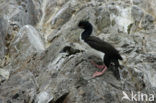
(98, 66)
(99, 73)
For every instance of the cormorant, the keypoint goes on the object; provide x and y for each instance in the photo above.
(111, 54)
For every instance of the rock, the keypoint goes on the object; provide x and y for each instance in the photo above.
(4, 75)
(32, 35)
(137, 13)
(3, 33)
(136, 2)
(150, 43)
(21, 88)
(24, 48)
(45, 62)
(63, 15)
(147, 22)
(44, 97)
(103, 20)
(121, 19)
(26, 13)
(27, 42)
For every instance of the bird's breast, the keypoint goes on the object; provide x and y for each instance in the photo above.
(90, 50)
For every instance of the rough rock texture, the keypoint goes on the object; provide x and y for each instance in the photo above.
(43, 61)
(3, 33)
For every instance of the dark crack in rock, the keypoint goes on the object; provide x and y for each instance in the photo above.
(42, 59)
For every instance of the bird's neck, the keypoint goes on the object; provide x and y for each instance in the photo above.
(87, 32)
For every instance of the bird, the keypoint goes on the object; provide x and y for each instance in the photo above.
(111, 54)
(70, 51)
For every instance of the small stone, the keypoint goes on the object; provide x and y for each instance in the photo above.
(4, 74)
(81, 92)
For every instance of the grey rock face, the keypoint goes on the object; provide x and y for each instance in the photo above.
(21, 89)
(24, 12)
(3, 33)
(63, 15)
(27, 42)
(45, 61)
(136, 2)
(137, 13)
(147, 22)
(103, 20)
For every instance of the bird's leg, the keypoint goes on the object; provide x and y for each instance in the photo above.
(98, 66)
(99, 73)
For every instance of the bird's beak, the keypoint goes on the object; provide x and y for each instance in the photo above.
(62, 51)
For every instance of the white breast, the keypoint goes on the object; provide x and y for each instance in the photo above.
(90, 50)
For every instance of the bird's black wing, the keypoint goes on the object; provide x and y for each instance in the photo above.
(99, 44)
(103, 46)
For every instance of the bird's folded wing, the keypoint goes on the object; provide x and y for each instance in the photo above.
(99, 44)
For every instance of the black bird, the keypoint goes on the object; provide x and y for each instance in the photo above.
(111, 54)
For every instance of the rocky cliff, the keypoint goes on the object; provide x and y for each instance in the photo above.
(34, 32)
